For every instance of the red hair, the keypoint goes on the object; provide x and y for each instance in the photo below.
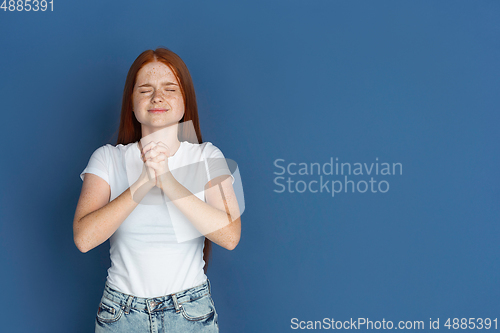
(130, 131)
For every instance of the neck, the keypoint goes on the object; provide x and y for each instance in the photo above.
(167, 135)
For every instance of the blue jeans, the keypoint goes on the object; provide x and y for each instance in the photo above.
(190, 310)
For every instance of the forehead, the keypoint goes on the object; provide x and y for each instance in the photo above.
(155, 71)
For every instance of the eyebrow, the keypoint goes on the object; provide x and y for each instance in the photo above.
(163, 84)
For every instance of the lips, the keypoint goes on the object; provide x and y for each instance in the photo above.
(158, 110)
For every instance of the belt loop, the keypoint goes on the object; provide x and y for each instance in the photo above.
(176, 304)
(129, 304)
(209, 289)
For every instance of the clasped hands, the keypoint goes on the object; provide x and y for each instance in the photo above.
(155, 157)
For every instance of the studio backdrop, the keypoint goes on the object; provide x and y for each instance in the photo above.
(365, 134)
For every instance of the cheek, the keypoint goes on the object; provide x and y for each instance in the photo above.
(181, 105)
(138, 99)
(179, 102)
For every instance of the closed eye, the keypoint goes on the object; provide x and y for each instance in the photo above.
(148, 91)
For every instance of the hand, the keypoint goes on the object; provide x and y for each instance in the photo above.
(147, 174)
(155, 158)
(146, 180)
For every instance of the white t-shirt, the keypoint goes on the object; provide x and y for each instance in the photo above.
(156, 251)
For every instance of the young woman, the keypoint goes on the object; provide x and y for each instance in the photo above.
(144, 194)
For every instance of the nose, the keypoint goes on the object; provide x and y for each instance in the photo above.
(157, 96)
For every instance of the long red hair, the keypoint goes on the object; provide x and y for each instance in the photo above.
(130, 131)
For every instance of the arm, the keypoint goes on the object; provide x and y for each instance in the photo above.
(96, 219)
(218, 218)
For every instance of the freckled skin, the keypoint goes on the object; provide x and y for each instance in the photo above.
(219, 219)
(97, 218)
(157, 95)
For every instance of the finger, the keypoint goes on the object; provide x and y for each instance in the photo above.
(151, 154)
(148, 147)
(153, 165)
(161, 144)
(162, 147)
(158, 158)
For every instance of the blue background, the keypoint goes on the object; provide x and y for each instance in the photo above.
(406, 82)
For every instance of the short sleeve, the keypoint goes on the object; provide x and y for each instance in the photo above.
(97, 165)
(215, 163)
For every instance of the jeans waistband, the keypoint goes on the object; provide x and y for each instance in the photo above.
(153, 304)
